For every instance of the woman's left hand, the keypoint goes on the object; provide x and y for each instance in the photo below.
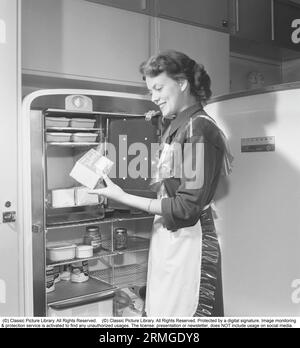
(111, 190)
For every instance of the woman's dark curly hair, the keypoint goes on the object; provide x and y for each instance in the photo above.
(178, 66)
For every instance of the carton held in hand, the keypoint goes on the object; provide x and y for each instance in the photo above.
(90, 168)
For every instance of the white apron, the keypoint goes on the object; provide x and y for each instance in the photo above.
(174, 271)
(174, 263)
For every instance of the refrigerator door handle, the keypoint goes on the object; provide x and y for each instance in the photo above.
(82, 302)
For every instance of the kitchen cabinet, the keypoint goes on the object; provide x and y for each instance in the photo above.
(142, 6)
(252, 20)
(60, 214)
(209, 47)
(208, 13)
(100, 46)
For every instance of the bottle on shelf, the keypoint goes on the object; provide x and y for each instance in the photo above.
(120, 238)
(93, 237)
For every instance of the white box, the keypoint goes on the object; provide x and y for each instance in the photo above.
(82, 197)
(61, 252)
(84, 251)
(63, 198)
(84, 137)
(90, 168)
(82, 123)
(58, 137)
(57, 122)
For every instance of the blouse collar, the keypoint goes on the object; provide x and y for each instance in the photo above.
(184, 116)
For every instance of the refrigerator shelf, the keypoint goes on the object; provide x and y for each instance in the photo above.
(84, 219)
(96, 256)
(73, 129)
(49, 112)
(134, 244)
(123, 276)
(66, 290)
(71, 144)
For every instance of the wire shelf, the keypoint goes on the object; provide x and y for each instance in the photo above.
(134, 244)
(123, 276)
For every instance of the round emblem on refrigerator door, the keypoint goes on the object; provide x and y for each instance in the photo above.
(78, 102)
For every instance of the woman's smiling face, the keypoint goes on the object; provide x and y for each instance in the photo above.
(166, 93)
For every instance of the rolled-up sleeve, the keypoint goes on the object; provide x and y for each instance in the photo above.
(197, 184)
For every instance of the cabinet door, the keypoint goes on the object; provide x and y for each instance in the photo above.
(253, 19)
(143, 6)
(208, 13)
(209, 47)
(106, 44)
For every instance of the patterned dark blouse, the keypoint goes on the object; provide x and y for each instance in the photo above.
(188, 196)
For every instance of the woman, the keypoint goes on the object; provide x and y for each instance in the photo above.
(184, 267)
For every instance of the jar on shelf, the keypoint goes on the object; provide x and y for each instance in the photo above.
(120, 238)
(79, 272)
(93, 237)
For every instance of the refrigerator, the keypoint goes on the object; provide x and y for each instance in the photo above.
(258, 205)
(59, 127)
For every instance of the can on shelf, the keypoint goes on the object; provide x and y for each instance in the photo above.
(93, 237)
(120, 238)
(50, 283)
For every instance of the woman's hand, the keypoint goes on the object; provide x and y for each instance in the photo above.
(111, 190)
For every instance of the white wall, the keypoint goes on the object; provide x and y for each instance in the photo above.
(242, 65)
(10, 234)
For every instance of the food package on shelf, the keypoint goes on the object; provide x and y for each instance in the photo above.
(82, 197)
(90, 168)
(84, 137)
(82, 123)
(58, 137)
(62, 198)
(57, 122)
